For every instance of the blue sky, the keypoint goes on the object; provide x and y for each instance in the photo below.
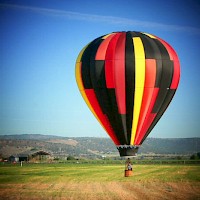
(39, 44)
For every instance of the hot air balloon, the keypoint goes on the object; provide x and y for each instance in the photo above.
(128, 79)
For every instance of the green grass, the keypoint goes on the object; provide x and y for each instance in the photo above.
(53, 181)
(96, 172)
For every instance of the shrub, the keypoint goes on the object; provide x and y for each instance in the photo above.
(70, 158)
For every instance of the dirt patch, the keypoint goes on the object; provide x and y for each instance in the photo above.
(151, 190)
(68, 141)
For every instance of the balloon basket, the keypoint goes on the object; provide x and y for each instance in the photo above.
(128, 173)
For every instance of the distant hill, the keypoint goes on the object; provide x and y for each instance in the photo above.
(29, 137)
(91, 146)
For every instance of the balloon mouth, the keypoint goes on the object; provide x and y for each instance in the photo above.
(127, 150)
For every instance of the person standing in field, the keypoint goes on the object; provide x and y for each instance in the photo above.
(128, 164)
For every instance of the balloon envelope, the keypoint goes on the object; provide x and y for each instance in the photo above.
(128, 80)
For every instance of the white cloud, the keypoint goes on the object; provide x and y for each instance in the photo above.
(104, 19)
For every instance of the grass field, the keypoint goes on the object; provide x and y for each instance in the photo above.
(99, 181)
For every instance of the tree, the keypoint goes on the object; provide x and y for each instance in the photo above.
(195, 156)
(70, 158)
(192, 157)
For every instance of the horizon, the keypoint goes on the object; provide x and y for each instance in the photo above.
(105, 137)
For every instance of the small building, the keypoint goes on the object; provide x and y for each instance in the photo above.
(13, 158)
(23, 157)
(32, 157)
